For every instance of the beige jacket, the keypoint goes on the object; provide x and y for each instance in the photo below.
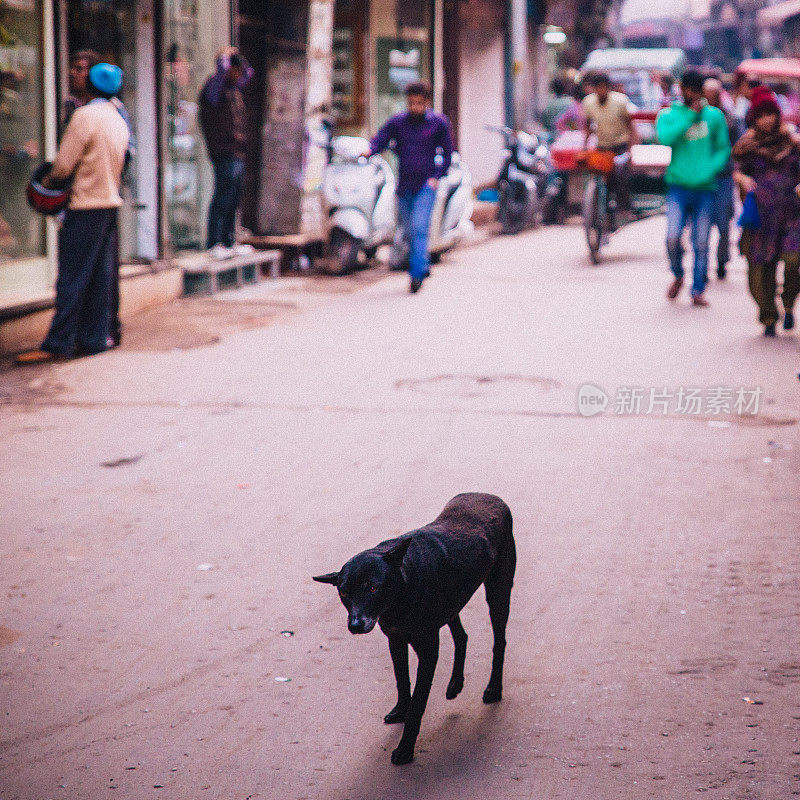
(93, 152)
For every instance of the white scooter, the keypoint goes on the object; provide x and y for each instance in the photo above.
(360, 196)
(451, 219)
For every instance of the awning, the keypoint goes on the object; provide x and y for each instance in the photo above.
(777, 68)
(778, 14)
(635, 59)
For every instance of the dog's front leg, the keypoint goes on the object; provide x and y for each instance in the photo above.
(427, 650)
(398, 647)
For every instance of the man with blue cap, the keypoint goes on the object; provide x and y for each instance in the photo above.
(91, 156)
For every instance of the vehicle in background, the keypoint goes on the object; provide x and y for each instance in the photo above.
(360, 197)
(635, 71)
(451, 219)
(782, 75)
(528, 186)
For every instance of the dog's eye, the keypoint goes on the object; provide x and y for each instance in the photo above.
(373, 589)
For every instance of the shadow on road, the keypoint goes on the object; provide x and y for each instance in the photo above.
(450, 757)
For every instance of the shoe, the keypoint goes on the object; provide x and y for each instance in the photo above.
(38, 357)
(243, 249)
(788, 321)
(722, 272)
(416, 283)
(219, 252)
(676, 286)
(700, 300)
(769, 330)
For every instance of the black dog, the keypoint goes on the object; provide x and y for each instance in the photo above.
(419, 582)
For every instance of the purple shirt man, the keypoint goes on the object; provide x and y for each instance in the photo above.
(416, 140)
(417, 136)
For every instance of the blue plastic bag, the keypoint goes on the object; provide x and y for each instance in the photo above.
(749, 217)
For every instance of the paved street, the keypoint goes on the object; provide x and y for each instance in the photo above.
(164, 507)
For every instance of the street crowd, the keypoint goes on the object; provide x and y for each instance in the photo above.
(722, 143)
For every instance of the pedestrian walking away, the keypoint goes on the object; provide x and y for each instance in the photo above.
(92, 155)
(223, 121)
(417, 136)
(698, 136)
(723, 205)
(767, 162)
(608, 116)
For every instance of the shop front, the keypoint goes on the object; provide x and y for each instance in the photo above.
(25, 270)
(167, 49)
(379, 47)
(194, 32)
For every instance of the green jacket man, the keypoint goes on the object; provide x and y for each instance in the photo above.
(701, 148)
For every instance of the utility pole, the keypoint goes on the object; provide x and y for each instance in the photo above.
(520, 77)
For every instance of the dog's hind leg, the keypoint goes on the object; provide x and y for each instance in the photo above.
(460, 640)
(428, 652)
(498, 596)
(398, 648)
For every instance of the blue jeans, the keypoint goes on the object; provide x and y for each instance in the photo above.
(723, 214)
(415, 209)
(86, 254)
(695, 206)
(228, 175)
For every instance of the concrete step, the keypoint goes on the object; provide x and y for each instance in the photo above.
(204, 274)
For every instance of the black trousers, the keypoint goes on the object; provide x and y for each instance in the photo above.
(86, 256)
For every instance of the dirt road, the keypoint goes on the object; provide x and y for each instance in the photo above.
(163, 510)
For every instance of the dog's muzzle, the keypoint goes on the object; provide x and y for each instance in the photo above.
(360, 624)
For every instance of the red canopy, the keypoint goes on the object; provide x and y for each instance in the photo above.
(780, 68)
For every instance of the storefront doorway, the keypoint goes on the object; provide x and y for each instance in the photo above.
(273, 37)
(123, 32)
(192, 37)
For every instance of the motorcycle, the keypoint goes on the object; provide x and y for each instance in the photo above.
(528, 186)
(360, 196)
(451, 218)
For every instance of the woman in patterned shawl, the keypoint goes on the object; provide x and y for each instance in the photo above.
(767, 161)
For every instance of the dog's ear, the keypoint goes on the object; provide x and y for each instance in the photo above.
(331, 577)
(394, 557)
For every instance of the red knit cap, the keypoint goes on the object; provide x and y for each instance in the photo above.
(764, 102)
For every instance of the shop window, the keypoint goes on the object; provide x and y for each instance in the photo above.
(348, 63)
(21, 230)
(184, 69)
(403, 57)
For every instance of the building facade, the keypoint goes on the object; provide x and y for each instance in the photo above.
(166, 50)
(347, 58)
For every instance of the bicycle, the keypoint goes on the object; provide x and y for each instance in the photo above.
(598, 207)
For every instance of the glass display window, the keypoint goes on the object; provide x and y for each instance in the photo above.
(21, 128)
